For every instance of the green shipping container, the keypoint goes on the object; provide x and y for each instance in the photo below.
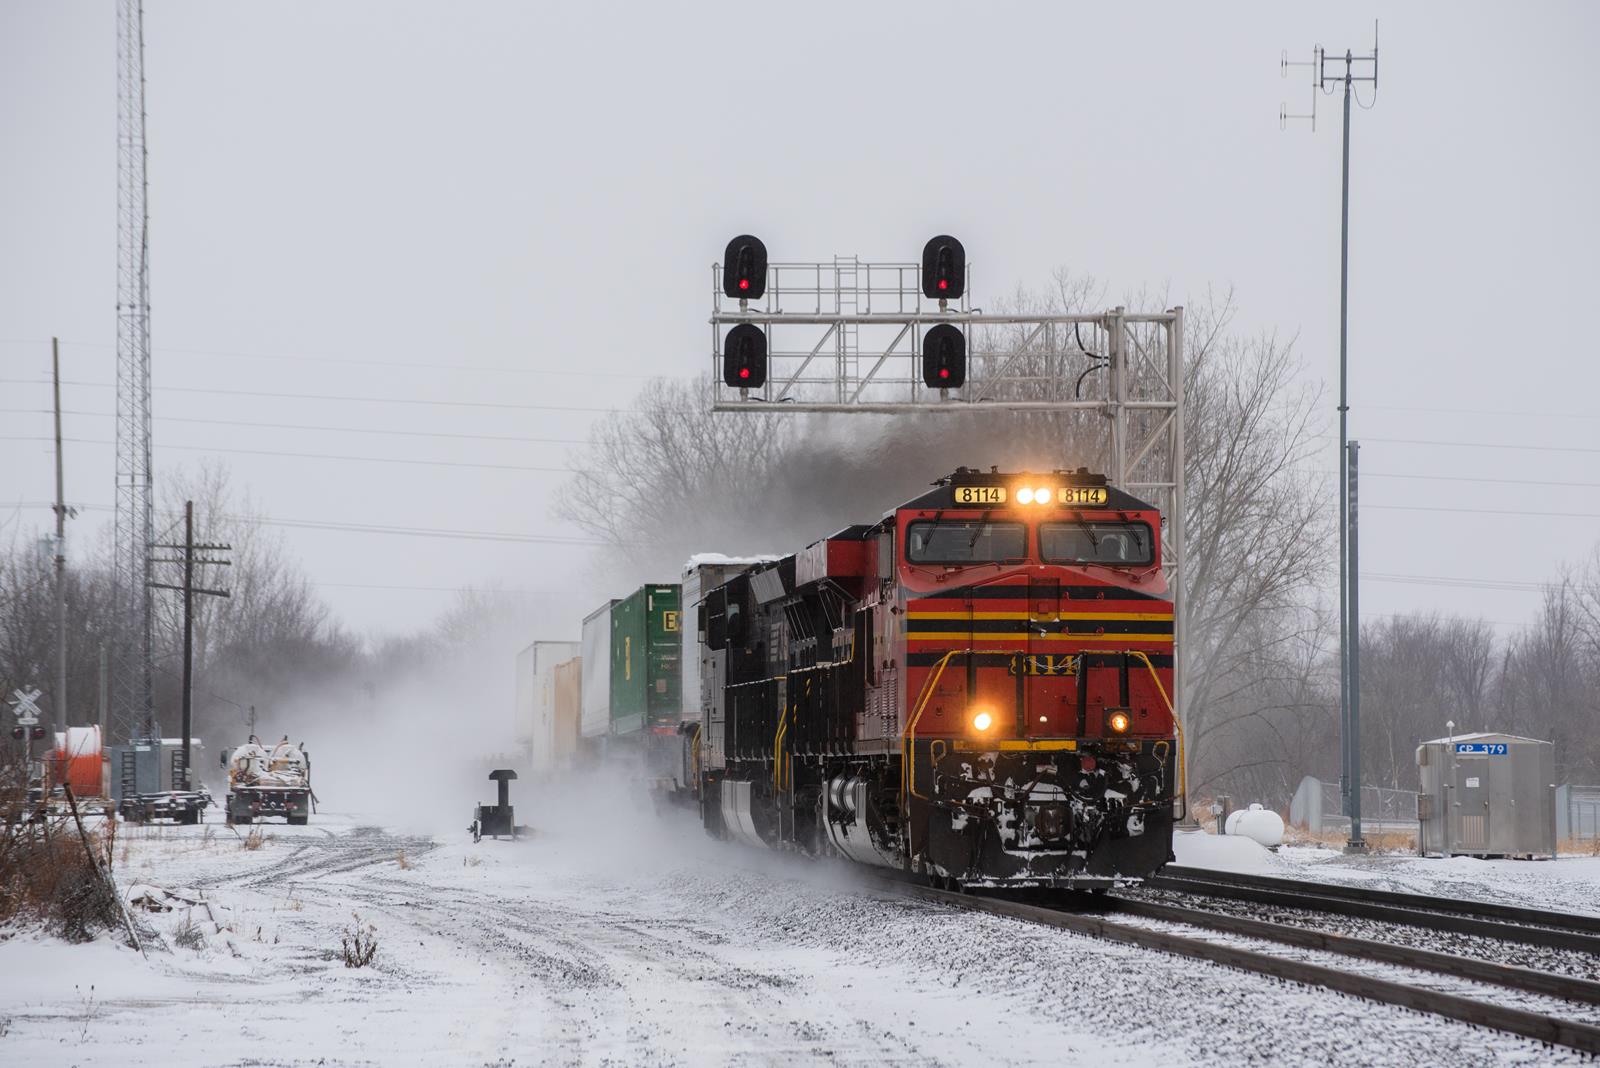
(646, 647)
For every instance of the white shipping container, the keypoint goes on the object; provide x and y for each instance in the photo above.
(596, 719)
(546, 655)
(702, 573)
(522, 712)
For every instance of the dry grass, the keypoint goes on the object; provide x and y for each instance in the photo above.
(254, 840)
(359, 943)
(1583, 847)
(50, 873)
(1377, 841)
(401, 859)
(189, 935)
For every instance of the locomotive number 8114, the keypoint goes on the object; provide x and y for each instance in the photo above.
(976, 688)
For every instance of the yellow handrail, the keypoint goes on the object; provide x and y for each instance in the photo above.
(1177, 727)
(908, 740)
(695, 744)
(777, 749)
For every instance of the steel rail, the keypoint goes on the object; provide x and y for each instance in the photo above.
(1433, 920)
(1521, 1022)
(1568, 921)
(1512, 977)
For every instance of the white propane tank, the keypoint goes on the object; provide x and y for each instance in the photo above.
(247, 764)
(1258, 824)
(288, 764)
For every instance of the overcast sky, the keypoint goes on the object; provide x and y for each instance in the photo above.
(518, 204)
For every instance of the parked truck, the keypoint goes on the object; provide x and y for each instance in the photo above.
(269, 782)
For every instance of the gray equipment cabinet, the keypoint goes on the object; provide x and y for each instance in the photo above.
(1487, 795)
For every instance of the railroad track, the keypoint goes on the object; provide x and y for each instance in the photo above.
(1534, 927)
(1541, 1027)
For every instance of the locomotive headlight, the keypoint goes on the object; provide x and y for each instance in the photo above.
(1042, 495)
(1024, 495)
(1119, 723)
(982, 721)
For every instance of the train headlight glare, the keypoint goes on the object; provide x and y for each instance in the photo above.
(982, 721)
(1119, 723)
(1041, 495)
(1024, 496)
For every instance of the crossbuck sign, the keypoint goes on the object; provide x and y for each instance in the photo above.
(26, 706)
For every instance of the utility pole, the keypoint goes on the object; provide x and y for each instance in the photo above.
(1356, 842)
(188, 561)
(60, 699)
(1326, 77)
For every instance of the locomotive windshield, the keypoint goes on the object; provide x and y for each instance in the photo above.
(965, 541)
(1112, 544)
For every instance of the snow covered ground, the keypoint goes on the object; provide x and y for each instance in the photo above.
(1569, 883)
(609, 944)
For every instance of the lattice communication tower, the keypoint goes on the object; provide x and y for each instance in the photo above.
(133, 699)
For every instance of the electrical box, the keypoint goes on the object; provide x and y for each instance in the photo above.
(1487, 795)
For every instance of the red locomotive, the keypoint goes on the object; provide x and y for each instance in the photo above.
(975, 688)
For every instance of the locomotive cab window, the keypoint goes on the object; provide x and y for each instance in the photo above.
(1109, 544)
(965, 541)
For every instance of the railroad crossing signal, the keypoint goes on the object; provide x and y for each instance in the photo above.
(744, 357)
(944, 268)
(25, 706)
(944, 357)
(744, 268)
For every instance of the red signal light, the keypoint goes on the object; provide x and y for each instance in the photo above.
(944, 283)
(944, 372)
(744, 372)
(744, 283)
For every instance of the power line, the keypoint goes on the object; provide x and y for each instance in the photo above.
(333, 429)
(446, 589)
(1481, 411)
(1482, 511)
(373, 528)
(491, 368)
(1474, 478)
(340, 397)
(1475, 444)
(1466, 583)
(313, 455)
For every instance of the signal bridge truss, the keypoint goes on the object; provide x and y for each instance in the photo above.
(846, 337)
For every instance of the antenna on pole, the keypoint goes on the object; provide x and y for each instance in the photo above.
(133, 698)
(1330, 73)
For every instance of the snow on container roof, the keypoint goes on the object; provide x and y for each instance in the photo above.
(1485, 736)
(720, 559)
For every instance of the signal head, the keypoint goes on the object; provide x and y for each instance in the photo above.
(944, 268)
(744, 357)
(744, 268)
(944, 357)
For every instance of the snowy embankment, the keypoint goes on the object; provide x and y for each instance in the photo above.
(1569, 883)
(603, 945)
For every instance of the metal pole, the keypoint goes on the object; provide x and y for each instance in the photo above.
(1356, 844)
(105, 686)
(1178, 526)
(188, 629)
(1351, 787)
(60, 701)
